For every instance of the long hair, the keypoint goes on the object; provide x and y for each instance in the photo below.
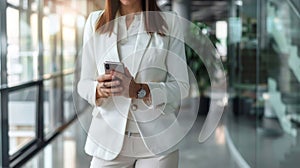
(153, 23)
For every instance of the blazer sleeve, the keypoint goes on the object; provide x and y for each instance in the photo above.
(87, 84)
(176, 87)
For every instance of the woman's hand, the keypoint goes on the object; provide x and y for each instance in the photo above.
(107, 86)
(127, 83)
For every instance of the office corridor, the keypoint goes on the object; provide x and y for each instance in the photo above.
(67, 150)
(257, 47)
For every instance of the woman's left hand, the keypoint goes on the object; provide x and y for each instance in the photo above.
(127, 83)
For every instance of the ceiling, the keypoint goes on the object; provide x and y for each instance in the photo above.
(203, 10)
(209, 10)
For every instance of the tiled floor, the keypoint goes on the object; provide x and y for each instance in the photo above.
(66, 151)
(262, 143)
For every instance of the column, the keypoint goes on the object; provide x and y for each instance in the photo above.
(182, 8)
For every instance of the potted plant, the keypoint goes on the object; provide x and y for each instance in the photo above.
(198, 67)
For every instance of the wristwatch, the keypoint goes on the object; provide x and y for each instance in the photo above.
(141, 93)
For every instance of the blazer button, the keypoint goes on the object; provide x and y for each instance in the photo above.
(134, 107)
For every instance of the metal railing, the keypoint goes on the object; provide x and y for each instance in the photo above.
(294, 8)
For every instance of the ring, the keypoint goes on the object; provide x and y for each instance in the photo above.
(104, 85)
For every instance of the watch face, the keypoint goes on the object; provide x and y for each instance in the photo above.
(141, 93)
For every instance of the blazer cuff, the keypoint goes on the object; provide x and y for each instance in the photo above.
(158, 94)
(92, 98)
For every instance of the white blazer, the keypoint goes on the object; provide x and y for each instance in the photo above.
(157, 61)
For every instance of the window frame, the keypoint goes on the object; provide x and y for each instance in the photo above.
(41, 140)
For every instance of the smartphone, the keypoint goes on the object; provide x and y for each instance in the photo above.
(116, 66)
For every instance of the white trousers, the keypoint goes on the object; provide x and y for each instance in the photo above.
(134, 154)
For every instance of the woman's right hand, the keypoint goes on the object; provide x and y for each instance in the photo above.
(107, 87)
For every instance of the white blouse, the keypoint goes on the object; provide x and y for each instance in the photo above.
(126, 43)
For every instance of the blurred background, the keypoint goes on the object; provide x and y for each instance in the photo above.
(258, 42)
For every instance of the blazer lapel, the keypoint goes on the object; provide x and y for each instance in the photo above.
(143, 39)
(113, 43)
(106, 48)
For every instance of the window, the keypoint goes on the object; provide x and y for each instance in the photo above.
(52, 43)
(39, 53)
(69, 110)
(52, 105)
(22, 118)
(22, 50)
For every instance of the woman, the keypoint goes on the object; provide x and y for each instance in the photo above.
(134, 110)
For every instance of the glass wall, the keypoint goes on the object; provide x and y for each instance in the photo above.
(21, 114)
(265, 81)
(243, 78)
(40, 41)
(22, 51)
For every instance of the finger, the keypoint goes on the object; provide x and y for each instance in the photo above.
(97, 90)
(105, 95)
(112, 90)
(103, 85)
(105, 77)
(113, 83)
(102, 94)
(117, 94)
